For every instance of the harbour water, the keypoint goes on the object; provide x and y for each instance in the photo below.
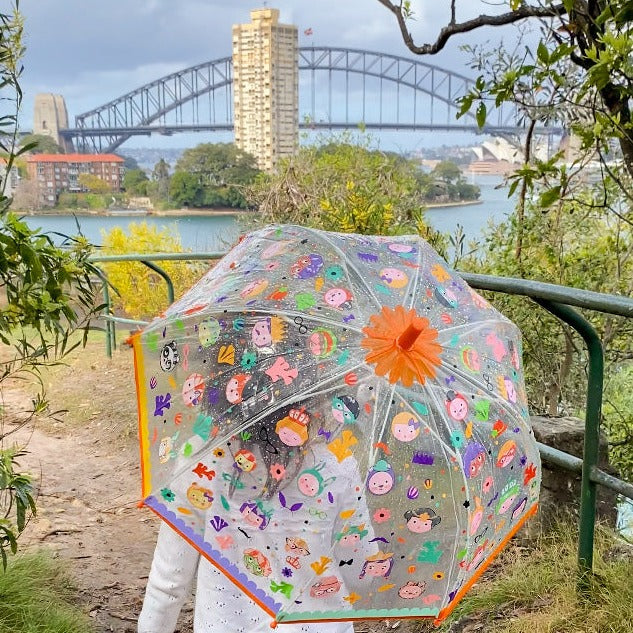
(204, 233)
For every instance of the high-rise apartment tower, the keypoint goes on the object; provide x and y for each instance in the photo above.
(266, 87)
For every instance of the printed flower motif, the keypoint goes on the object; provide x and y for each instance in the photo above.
(438, 575)
(287, 572)
(248, 360)
(402, 345)
(277, 471)
(167, 494)
(219, 453)
(381, 515)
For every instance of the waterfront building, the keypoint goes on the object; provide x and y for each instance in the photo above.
(54, 173)
(8, 182)
(266, 87)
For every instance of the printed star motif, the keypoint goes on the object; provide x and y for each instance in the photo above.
(352, 598)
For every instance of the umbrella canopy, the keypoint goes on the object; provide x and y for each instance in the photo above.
(339, 423)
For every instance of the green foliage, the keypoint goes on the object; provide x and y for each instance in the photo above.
(618, 415)
(529, 592)
(344, 186)
(135, 182)
(47, 294)
(212, 175)
(94, 201)
(37, 595)
(93, 183)
(141, 293)
(41, 144)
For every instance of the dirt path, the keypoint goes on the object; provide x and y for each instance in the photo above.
(88, 478)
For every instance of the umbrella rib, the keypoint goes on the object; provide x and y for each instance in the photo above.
(348, 264)
(469, 325)
(414, 282)
(312, 317)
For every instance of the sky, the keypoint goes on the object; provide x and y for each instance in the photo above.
(92, 51)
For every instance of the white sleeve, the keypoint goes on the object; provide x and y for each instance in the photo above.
(173, 569)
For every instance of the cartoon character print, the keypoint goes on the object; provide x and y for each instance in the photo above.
(311, 482)
(267, 331)
(509, 493)
(325, 587)
(199, 497)
(421, 520)
(254, 515)
(446, 297)
(351, 535)
(378, 565)
(245, 460)
(169, 356)
(476, 517)
(405, 251)
(506, 454)
(257, 563)
(192, 390)
(293, 429)
(345, 409)
(166, 449)
(412, 590)
(296, 548)
(307, 266)
(339, 298)
(393, 277)
(405, 427)
(208, 332)
(470, 358)
(254, 288)
(381, 478)
(322, 342)
(235, 387)
(508, 390)
(473, 459)
(456, 405)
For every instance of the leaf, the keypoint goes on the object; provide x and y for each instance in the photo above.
(282, 499)
(480, 114)
(295, 506)
(542, 54)
(547, 198)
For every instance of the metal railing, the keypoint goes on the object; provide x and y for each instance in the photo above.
(559, 301)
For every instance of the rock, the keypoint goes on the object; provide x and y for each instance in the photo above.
(560, 489)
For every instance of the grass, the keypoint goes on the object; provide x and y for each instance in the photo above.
(534, 589)
(37, 596)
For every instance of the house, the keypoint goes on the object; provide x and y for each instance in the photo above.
(55, 173)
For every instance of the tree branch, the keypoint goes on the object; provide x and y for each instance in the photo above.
(456, 28)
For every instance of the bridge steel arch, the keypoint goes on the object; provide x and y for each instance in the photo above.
(161, 106)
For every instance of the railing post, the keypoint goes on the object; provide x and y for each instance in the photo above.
(593, 414)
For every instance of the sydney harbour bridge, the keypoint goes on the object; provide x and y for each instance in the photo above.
(339, 88)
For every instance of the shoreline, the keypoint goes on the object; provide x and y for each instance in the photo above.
(141, 213)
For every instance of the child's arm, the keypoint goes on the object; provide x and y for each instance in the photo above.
(172, 572)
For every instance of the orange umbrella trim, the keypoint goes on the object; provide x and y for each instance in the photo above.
(402, 346)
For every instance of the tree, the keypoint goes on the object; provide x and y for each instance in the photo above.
(160, 180)
(93, 183)
(221, 170)
(185, 190)
(343, 186)
(447, 171)
(135, 182)
(47, 295)
(42, 144)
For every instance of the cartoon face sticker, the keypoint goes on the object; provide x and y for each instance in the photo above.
(456, 405)
(235, 388)
(476, 517)
(446, 297)
(405, 426)
(351, 535)
(192, 390)
(245, 460)
(254, 288)
(470, 358)
(339, 298)
(412, 590)
(257, 563)
(509, 493)
(378, 566)
(506, 454)
(322, 343)
(473, 459)
(199, 497)
(307, 266)
(406, 251)
(311, 482)
(208, 332)
(325, 587)
(293, 429)
(267, 331)
(297, 546)
(421, 520)
(169, 357)
(381, 478)
(510, 390)
(253, 515)
(393, 277)
(345, 409)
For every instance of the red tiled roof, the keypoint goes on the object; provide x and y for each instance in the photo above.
(74, 158)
